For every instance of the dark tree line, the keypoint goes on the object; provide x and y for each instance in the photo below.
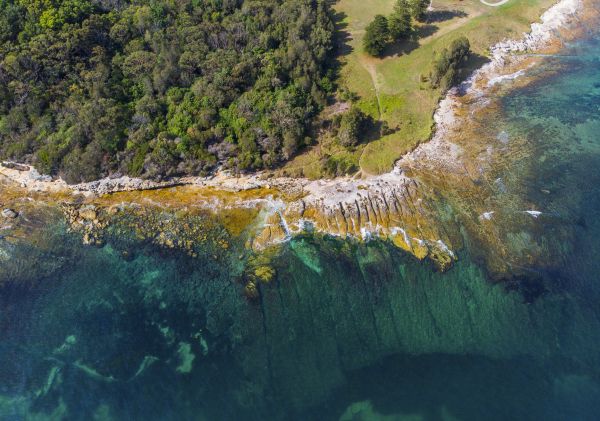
(159, 88)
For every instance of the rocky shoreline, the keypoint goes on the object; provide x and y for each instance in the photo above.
(393, 206)
(508, 61)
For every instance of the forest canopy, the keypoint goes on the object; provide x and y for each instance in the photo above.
(160, 87)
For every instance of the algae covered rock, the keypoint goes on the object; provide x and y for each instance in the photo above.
(264, 273)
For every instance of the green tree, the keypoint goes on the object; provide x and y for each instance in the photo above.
(377, 36)
(399, 22)
(352, 124)
(446, 66)
(11, 20)
(160, 87)
(418, 8)
(69, 11)
(460, 48)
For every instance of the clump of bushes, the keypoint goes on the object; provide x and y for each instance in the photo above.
(350, 126)
(332, 166)
(383, 31)
(377, 36)
(447, 65)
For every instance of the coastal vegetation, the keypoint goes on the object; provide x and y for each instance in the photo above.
(377, 36)
(154, 88)
(158, 88)
(351, 125)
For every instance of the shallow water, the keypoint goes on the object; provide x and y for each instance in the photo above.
(344, 330)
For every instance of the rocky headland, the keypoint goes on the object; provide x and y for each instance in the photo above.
(420, 205)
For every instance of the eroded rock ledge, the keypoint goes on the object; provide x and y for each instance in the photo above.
(401, 210)
(392, 207)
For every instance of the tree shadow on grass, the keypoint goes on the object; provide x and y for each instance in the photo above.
(475, 61)
(406, 46)
(375, 130)
(444, 15)
(424, 31)
(400, 48)
(341, 48)
(342, 36)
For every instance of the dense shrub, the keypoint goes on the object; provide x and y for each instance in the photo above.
(337, 166)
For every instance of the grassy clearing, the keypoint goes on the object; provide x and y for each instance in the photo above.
(391, 90)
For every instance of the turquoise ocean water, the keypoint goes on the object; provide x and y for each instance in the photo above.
(346, 330)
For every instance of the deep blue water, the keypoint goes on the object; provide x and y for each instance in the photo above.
(345, 330)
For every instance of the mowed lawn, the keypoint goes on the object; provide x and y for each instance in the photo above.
(391, 89)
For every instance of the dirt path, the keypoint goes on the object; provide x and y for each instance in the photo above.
(371, 68)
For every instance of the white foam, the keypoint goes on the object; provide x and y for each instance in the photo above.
(445, 248)
(396, 230)
(503, 78)
(533, 213)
